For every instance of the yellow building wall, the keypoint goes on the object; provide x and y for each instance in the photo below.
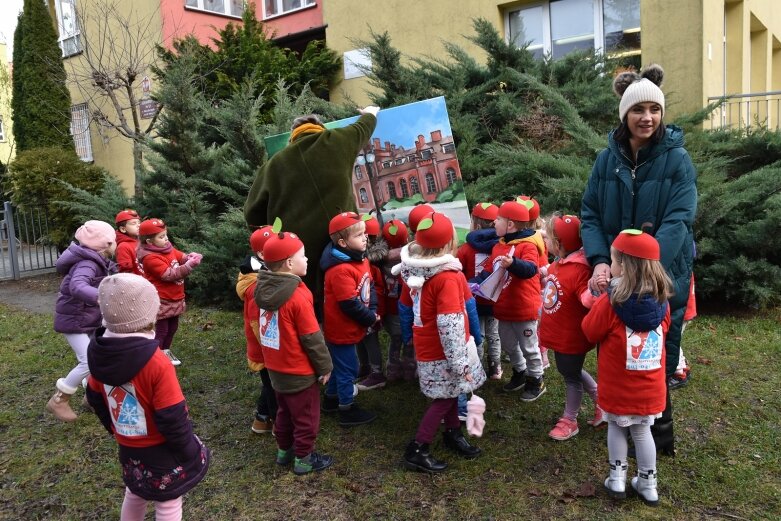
(110, 149)
(7, 149)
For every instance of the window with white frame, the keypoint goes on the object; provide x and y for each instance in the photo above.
(2, 129)
(558, 27)
(80, 131)
(68, 27)
(278, 7)
(233, 8)
(358, 172)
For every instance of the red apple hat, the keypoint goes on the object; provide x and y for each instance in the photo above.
(395, 233)
(280, 246)
(567, 230)
(434, 231)
(637, 244)
(418, 213)
(487, 211)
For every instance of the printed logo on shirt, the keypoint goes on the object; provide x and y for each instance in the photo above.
(127, 414)
(269, 329)
(550, 295)
(644, 349)
(415, 295)
(365, 288)
(481, 263)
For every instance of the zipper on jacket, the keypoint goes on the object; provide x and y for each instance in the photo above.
(634, 177)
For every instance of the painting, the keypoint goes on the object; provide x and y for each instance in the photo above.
(409, 160)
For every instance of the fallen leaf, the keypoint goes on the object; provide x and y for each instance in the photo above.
(690, 430)
(731, 462)
(586, 489)
(556, 471)
(703, 360)
(207, 326)
(535, 492)
(739, 338)
(566, 499)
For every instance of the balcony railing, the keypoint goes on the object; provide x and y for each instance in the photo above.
(744, 111)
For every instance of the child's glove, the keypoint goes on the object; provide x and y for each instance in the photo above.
(193, 260)
(475, 408)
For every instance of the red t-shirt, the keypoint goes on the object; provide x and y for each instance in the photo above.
(520, 299)
(132, 405)
(156, 264)
(281, 332)
(473, 262)
(345, 281)
(444, 293)
(127, 260)
(251, 325)
(630, 364)
(562, 310)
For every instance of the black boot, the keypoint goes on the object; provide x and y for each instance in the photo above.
(330, 404)
(662, 430)
(418, 457)
(353, 415)
(516, 383)
(454, 440)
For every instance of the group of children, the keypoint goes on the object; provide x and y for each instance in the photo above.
(438, 303)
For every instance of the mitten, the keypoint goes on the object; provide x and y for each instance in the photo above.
(475, 423)
(193, 260)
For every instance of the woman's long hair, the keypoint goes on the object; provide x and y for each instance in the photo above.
(640, 277)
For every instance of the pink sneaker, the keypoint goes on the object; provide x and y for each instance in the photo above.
(599, 417)
(545, 361)
(564, 429)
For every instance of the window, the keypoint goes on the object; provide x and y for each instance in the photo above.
(403, 187)
(278, 7)
(426, 154)
(387, 164)
(451, 176)
(391, 190)
(558, 27)
(411, 158)
(233, 8)
(358, 172)
(80, 131)
(363, 195)
(431, 187)
(2, 130)
(413, 185)
(448, 148)
(68, 27)
(399, 161)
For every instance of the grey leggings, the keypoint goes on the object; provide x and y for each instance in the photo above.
(576, 380)
(645, 448)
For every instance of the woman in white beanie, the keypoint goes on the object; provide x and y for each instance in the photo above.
(645, 180)
(76, 315)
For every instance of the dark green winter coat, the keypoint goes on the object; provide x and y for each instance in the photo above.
(307, 183)
(659, 196)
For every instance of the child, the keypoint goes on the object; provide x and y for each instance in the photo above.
(166, 268)
(630, 323)
(401, 355)
(127, 223)
(473, 254)
(294, 352)
(416, 214)
(518, 306)
(538, 224)
(439, 294)
(369, 352)
(350, 308)
(76, 314)
(565, 301)
(683, 372)
(266, 409)
(136, 395)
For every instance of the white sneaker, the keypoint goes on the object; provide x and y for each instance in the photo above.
(174, 361)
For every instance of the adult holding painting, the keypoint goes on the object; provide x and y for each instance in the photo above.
(644, 180)
(308, 182)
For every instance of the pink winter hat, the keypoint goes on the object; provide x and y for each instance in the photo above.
(96, 235)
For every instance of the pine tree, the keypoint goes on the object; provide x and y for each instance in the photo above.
(41, 101)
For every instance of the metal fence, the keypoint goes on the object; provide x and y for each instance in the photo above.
(24, 249)
(744, 111)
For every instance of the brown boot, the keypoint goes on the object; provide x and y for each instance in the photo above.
(58, 405)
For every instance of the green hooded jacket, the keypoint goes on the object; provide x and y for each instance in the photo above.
(658, 196)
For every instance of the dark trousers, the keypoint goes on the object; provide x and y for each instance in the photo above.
(298, 420)
(440, 408)
(267, 401)
(165, 330)
(370, 352)
(345, 371)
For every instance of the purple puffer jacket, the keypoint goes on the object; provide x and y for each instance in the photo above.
(77, 308)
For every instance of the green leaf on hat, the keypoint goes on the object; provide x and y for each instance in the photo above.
(485, 206)
(527, 203)
(366, 217)
(393, 229)
(277, 226)
(425, 224)
(632, 231)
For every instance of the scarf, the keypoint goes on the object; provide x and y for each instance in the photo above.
(306, 128)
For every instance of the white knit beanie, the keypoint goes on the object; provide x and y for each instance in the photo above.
(128, 302)
(636, 88)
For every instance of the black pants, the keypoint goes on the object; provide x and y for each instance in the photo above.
(267, 401)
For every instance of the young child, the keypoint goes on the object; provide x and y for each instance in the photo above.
(439, 294)
(127, 223)
(565, 301)
(401, 354)
(473, 255)
(266, 409)
(518, 306)
(369, 351)
(630, 323)
(683, 372)
(76, 315)
(416, 214)
(166, 268)
(294, 352)
(136, 395)
(350, 308)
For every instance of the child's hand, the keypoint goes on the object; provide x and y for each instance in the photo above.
(324, 379)
(371, 109)
(506, 261)
(193, 260)
(468, 376)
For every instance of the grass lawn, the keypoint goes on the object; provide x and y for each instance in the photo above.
(727, 420)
